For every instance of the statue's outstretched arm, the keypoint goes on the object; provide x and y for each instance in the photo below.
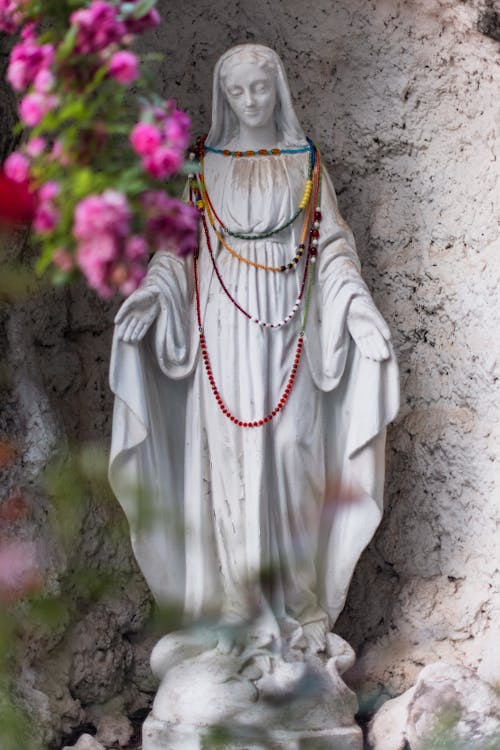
(339, 269)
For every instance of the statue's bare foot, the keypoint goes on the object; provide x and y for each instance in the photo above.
(231, 639)
(314, 634)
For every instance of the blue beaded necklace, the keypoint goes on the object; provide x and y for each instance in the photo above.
(259, 152)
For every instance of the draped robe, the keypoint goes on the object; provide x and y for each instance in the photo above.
(224, 518)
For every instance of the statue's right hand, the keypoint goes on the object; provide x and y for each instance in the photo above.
(136, 315)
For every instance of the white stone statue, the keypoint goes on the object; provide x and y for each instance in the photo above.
(259, 526)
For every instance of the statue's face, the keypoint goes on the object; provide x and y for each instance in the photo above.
(251, 92)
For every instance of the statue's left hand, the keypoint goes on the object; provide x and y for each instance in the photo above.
(136, 315)
(368, 329)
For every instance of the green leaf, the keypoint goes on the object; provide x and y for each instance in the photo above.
(143, 7)
(117, 129)
(83, 182)
(132, 182)
(44, 260)
(59, 277)
(97, 79)
(68, 43)
(74, 110)
(153, 57)
(127, 8)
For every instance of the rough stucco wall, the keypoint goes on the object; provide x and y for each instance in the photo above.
(400, 98)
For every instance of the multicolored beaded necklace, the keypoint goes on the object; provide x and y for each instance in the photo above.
(259, 152)
(262, 235)
(291, 266)
(262, 323)
(313, 240)
(311, 257)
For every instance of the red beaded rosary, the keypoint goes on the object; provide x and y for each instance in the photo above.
(310, 258)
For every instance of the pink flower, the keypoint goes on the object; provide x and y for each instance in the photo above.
(94, 257)
(123, 67)
(177, 128)
(136, 248)
(101, 214)
(101, 225)
(108, 277)
(34, 107)
(98, 27)
(19, 570)
(46, 218)
(10, 15)
(44, 82)
(102, 248)
(17, 167)
(126, 278)
(48, 191)
(29, 30)
(63, 260)
(163, 163)
(112, 263)
(36, 146)
(145, 138)
(46, 215)
(58, 154)
(28, 59)
(171, 223)
(163, 142)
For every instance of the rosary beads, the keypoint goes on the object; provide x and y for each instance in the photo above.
(311, 224)
(291, 266)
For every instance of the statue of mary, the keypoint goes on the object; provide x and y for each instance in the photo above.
(253, 384)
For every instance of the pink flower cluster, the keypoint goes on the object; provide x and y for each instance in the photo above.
(11, 16)
(171, 224)
(124, 67)
(30, 62)
(17, 167)
(29, 65)
(162, 143)
(46, 213)
(35, 106)
(98, 26)
(109, 258)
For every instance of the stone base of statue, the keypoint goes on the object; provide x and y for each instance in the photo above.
(261, 699)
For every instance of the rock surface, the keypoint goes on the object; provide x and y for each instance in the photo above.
(400, 99)
(448, 707)
(86, 742)
(114, 731)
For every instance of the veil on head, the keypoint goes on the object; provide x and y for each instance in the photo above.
(224, 122)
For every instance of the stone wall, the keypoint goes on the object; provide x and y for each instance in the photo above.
(400, 98)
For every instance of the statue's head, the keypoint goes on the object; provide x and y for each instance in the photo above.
(248, 80)
(250, 86)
